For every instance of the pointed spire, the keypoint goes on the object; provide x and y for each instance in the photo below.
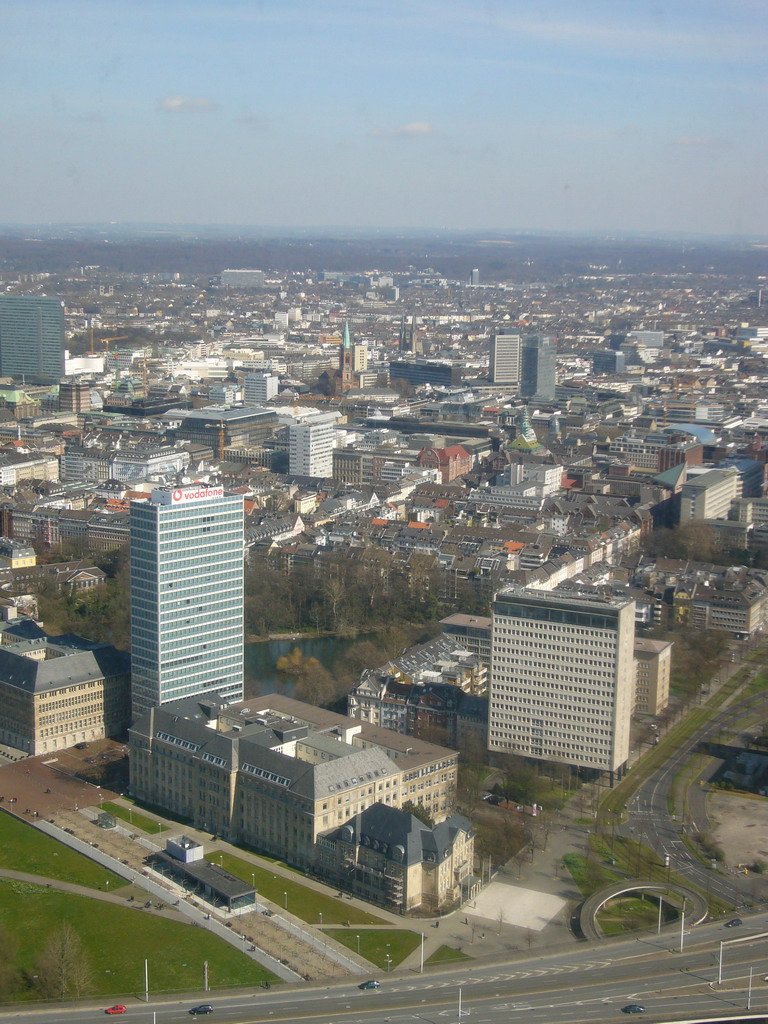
(346, 341)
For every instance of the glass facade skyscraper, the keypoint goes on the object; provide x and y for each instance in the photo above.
(32, 337)
(538, 367)
(186, 596)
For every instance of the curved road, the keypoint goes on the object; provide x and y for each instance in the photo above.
(649, 819)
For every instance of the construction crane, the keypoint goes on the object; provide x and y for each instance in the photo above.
(221, 428)
(105, 341)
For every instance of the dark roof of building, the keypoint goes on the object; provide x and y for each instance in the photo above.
(68, 660)
(401, 836)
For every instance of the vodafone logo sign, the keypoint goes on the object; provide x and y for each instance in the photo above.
(196, 494)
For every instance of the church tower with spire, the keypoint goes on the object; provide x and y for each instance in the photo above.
(346, 372)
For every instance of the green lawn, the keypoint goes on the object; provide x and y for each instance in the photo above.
(589, 875)
(306, 903)
(134, 818)
(24, 848)
(446, 955)
(117, 940)
(376, 943)
(630, 913)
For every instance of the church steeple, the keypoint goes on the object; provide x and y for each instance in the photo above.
(346, 371)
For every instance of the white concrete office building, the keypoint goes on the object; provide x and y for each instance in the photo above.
(186, 596)
(562, 679)
(258, 388)
(311, 444)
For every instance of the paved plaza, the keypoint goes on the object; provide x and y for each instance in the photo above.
(515, 905)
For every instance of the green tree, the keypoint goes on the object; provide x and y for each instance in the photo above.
(420, 812)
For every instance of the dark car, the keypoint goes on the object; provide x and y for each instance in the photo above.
(81, 746)
(735, 922)
(370, 984)
(633, 1008)
(202, 1008)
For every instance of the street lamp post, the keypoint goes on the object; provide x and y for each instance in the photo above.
(389, 961)
(421, 969)
(285, 900)
(358, 944)
(321, 919)
(682, 924)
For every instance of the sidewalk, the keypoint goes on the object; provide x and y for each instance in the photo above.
(526, 906)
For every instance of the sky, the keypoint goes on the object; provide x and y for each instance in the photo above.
(626, 116)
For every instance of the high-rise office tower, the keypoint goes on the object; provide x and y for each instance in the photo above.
(32, 337)
(562, 680)
(311, 444)
(186, 596)
(259, 388)
(538, 364)
(474, 276)
(504, 365)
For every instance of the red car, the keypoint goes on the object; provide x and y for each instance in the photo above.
(119, 1008)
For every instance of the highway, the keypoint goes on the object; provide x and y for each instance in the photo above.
(589, 982)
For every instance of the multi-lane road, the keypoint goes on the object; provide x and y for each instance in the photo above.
(649, 819)
(590, 982)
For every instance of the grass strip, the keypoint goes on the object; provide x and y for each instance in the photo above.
(446, 955)
(134, 818)
(302, 901)
(25, 848)
(376, 944)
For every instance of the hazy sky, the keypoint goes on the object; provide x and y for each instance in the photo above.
(565, 115)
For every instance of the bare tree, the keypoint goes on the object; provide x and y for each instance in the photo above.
(9, 970)
(62, 967)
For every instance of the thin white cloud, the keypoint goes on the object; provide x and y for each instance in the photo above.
(187, 105)
(412, 130)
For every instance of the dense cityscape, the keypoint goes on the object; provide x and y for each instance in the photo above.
(383, 512)
(524, 519)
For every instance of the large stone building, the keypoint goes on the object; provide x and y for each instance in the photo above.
(58, 691)
(384, 852)
(284, 776)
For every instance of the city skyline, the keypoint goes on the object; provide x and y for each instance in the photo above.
(430, 115)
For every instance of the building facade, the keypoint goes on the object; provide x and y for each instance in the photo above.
(653, 670)
(58, 691)
(311, 444)
(538, 367)
(709, 495)
(259, 388)
(186, 595)
(31, 337)
(284, 777)
(504, 363)
(562, 677)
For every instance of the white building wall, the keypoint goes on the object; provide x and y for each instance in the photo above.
(562, 678)
(186, 596)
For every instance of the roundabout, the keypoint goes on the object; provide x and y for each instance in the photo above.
(678, 896)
